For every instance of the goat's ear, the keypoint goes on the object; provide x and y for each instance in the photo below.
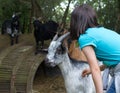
(63, 47)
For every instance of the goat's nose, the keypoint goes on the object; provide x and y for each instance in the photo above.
(47, 62)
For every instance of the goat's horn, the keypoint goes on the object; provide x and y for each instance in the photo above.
(63, 36)
(55, 37)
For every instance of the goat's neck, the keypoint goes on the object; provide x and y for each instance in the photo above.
(66, 65)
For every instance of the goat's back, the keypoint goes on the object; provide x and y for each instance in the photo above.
(45, 31)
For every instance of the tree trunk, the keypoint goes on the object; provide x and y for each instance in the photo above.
(32, 12)
(63, 24)
(36, 12)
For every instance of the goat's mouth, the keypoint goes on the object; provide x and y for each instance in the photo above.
(49, 63)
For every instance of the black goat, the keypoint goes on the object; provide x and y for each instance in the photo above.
(12, 27)
(44, 31)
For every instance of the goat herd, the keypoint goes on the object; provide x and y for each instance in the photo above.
(42, 31)
(57, 53)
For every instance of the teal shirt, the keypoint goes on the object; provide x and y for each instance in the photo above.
(106, 44)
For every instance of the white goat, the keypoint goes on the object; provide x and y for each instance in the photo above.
(71, 69)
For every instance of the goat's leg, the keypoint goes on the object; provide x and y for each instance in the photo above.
(12, 40)
(42, 44)
(3, 32)
(17, 39)
(37, 47)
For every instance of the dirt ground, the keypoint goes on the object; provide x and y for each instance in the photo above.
(50, 81)
(46, 80)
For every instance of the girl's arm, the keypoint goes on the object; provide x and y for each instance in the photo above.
(88, 71)
(94, 68)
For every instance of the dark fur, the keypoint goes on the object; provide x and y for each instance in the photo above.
(14, 25)
(44, 31)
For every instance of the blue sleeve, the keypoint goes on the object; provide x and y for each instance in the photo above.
(85, 40)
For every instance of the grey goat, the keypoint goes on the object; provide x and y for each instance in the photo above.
(71, 69)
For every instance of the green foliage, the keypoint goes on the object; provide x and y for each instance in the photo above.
(8, 7)
(49, 8)
(107, 10)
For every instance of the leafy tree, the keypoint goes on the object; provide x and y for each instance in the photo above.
(108, 11)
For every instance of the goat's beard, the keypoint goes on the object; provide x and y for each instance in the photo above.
(50, 64)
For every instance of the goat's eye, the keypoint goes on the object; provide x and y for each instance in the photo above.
(59, 51)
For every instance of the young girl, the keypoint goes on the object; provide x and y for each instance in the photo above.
(97, 43)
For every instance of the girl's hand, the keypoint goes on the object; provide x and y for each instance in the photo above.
(86, 72)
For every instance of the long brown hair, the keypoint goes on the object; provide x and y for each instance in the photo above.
(82, 17)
